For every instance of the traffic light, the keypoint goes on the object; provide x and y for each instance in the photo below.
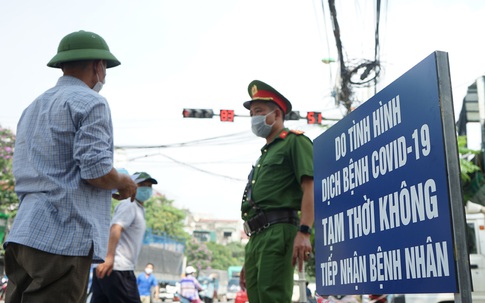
(227, 115)
(314, 118)
(197, 113)
(293, 115)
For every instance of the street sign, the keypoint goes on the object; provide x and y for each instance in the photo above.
(386, 177)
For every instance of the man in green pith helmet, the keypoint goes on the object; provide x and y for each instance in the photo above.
(63, 168)
(279, 185)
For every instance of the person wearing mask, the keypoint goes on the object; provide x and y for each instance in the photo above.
(146, 281)
(210, 289)
(279, 185)
(190, 287)
(114, 280)
(64, 178)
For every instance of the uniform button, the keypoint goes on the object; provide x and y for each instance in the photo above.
(245, 214)
(259, 165)
(254, 181)
(265, 150)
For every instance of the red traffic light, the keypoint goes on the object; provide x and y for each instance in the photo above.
(314, 118)
(197, 113)
(227, 115)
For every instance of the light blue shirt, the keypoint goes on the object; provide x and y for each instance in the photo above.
(63, 137)
(145, 284)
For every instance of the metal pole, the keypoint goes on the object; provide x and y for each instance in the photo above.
(453, 169)
(302, 284)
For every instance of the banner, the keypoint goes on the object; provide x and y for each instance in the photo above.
(382, 203)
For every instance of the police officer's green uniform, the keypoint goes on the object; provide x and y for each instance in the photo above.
(275, 184)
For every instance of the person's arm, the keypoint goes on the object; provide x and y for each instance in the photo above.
(242, 279)
(114, 237)
(216, 288)
(302, 246)
(155, 285)
(197, 284)
(157, 295)
(114, 180)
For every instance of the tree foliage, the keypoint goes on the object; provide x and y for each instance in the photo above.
(211, 255)
(222, 256)
(471, 174)
(467, 167)
(198, 255)
(237, 252)
(163, 217)
(8, 198)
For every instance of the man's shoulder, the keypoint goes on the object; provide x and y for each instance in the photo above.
(76, 89)
(124, 205)
(297, 132)
(292, 135)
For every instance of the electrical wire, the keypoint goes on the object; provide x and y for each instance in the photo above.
(361, 73)
(189, 166)
(219, 140)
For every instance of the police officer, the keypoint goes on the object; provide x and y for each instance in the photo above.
(279, 185)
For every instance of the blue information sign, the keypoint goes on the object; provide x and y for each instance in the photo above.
(382, 202)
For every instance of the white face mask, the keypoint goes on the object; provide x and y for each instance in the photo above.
(259, 126)
(148, 270)
(99, 85)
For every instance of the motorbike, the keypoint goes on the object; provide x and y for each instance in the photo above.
(3, 287)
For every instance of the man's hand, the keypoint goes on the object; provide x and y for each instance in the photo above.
(118, 182)
(242, 279)
(126, 189)
(105, 268)
(302, 248)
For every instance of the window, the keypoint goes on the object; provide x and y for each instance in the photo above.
(471, 238)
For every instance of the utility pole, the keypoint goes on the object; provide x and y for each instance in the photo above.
(344, 91)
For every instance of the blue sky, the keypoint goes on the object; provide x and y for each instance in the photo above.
(203, 54)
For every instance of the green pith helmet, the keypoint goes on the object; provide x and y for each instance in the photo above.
(83, 45)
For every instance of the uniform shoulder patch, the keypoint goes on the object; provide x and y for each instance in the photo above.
(297, 132)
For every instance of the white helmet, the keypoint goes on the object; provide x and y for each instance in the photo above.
(190, 270)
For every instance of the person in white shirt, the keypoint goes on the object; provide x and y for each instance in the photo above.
(115, 280)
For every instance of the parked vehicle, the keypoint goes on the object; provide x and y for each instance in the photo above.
(3, 287)
(221, 281)
(168, 292)
(233, 288)
(234, 271)
(241, 297)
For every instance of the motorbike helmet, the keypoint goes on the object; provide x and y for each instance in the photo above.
(189, 270)
(83, 45)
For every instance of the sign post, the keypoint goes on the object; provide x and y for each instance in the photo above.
(389, 216)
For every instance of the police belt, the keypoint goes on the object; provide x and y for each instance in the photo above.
(264, 219)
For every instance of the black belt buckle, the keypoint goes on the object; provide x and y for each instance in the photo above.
(256, 224)
(247, 229)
